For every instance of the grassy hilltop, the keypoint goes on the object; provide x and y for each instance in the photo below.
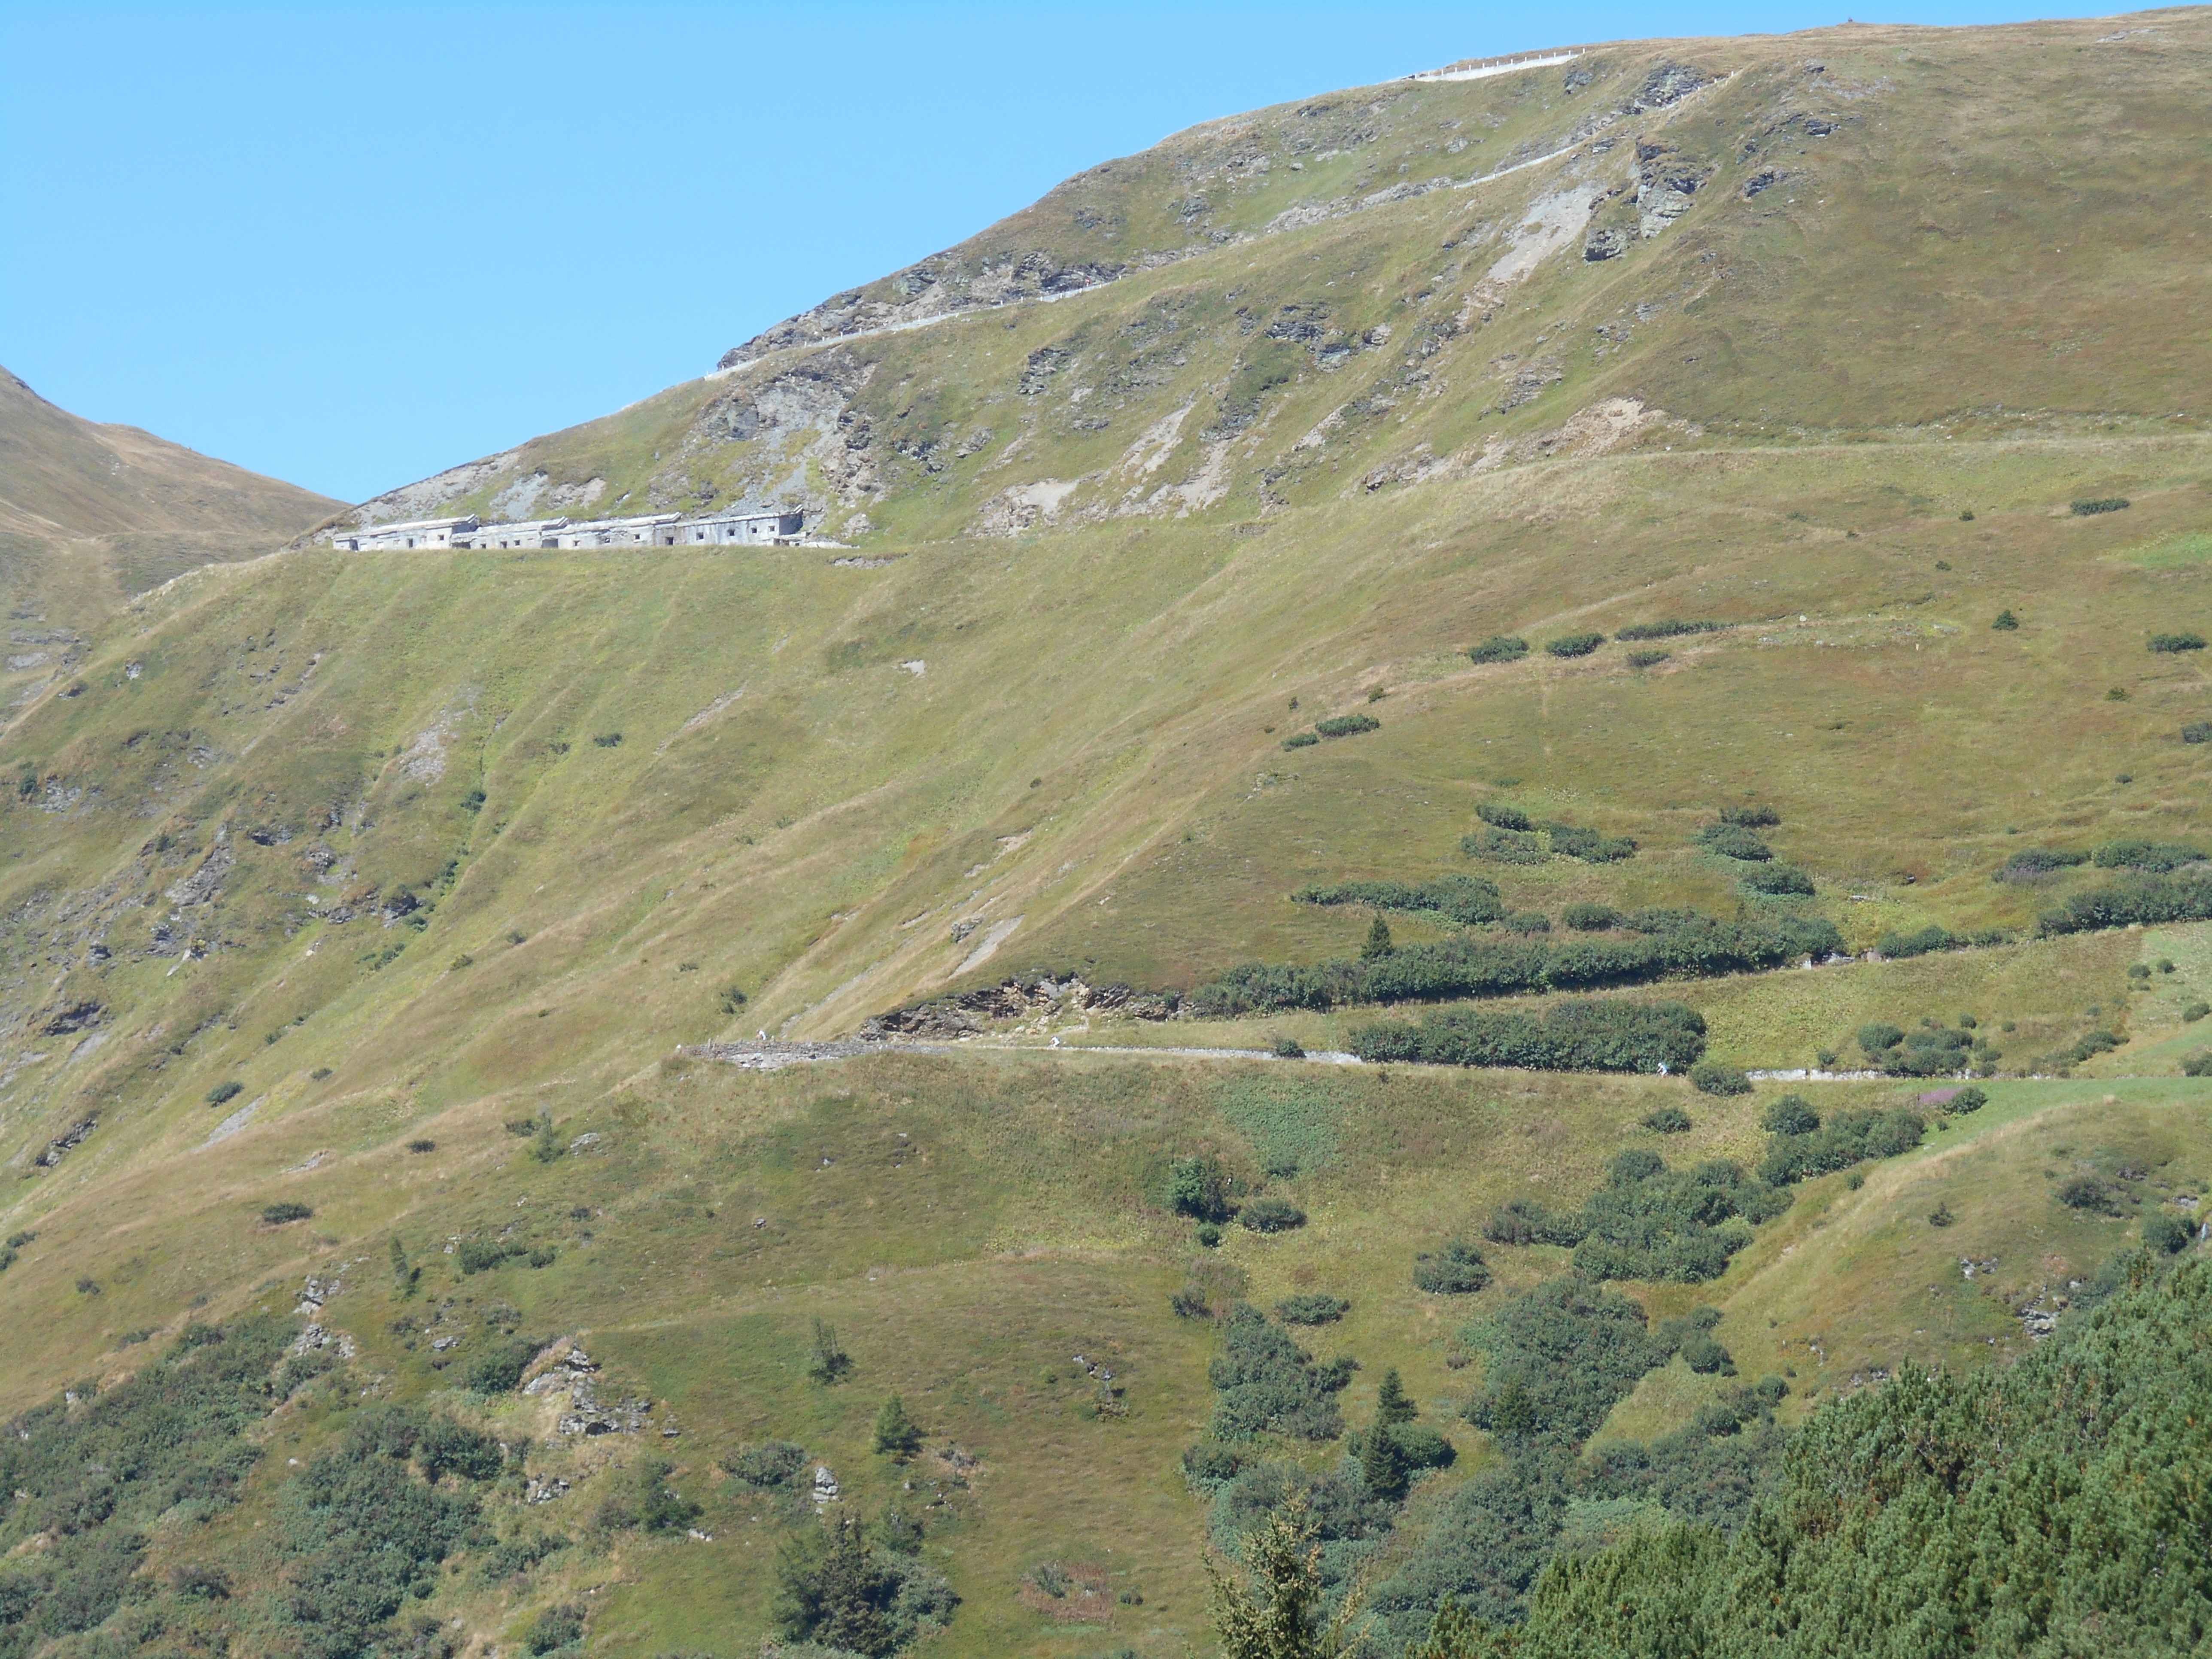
(354, 909)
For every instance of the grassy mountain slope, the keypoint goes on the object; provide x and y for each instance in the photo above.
(91, 514)
(64, 476)
(315, 857)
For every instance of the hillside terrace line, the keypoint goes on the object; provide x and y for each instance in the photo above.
(650, 530)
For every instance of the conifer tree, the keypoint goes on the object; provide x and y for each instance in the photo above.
(1378, 941)
(897, 1433)
(1383, 1463)
(1392, 1403)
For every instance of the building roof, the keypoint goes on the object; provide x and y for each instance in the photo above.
(407, 524)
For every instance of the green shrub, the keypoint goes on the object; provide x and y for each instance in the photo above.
(1347, 726)
(2102, 504)
(1932, 939)
(1670, 629)
(1792, 1115)
(499, 1368)
(1711, 1078)
(2087, 1192)
(2037, 863)
(2095, 1043)
(2198, 1064)
(1877, 1039)
(1208, 1464)
(1778, 881)
(1208, 1234)
(1648, 658)
(2194, 1011)
(1574, 645)
(608, 740)
(1500, 648)
(1507, 847)
(1499, 816)
(421, 1143)
(1750, 818)
(2197, 732)
(2166, 1235)
(557, 1627)
(1732, 840)
(1849, 1138)
(1569, 841)
(1526, 922)
(224, 1092)
(1589, 1034)
(1558, 1359)
(1590, 918)
(1668, 1120)
(2155, 857)
(1300, 740)
(1466, 900)
(1265, 1383)
(1288, 1048)
(447, 1448)
(277, 1215)
(1968, 1099)
(2006, 622)
(2167, 643)
(1455, 1269)
(1524, 1221)
(1313, 1308)
(1271, 1215)
(1702, 1354)
(1199, 1187)
(481, 1255)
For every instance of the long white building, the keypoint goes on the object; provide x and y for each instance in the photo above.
(648, 529)
(414, 532)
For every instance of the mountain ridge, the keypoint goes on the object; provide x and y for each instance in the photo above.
(1470, 629)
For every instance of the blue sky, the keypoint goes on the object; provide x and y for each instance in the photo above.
(350, 246)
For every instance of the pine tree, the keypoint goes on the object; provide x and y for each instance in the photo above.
(828, 1362)
(1279, 1617)
(1392, 1403)
(897, 1433)
(1378, 941)
(404, 1277)
(1383, 1463)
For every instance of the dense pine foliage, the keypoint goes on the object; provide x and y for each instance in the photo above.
(2057, 1507)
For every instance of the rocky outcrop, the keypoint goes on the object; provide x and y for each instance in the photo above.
(972, 1011)
(575, 1373)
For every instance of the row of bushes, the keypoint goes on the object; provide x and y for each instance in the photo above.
(1802, 1145)
(1587, 1035)
(1930, 939)
(1932, 1051)
(2146, 857)
(1512, 648)
(1649, 1221)
(1673, 628)
(1339, 725)
(1513, 837)
(2147, 900)
(1678, 943)
(1466, 900)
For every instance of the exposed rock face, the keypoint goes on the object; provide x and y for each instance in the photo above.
(316, 1337)
(936, 287)
(971, 1012)
(67, 1142)
(575, 1371)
